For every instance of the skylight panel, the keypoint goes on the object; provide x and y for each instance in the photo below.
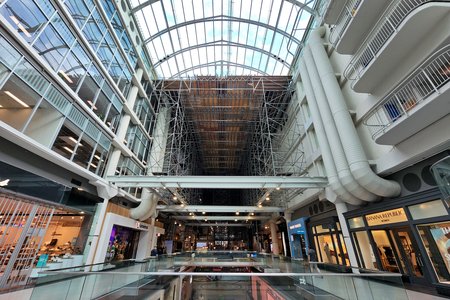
(188, 11)
(134, 3)
(227, 7)
(167, 4)
(158, 14)
(243, 33)
(201, 36)
(278, 68)
(234, 32)
(245, 10)
(164, 67)
(265, 11)
(284, 15)
(207, 8)
(217, 8)
(256, 9)
(215, 43)
(143, 24)
(175, 40)
(180, 62)
(276, 6)
(178, 8)
(236, 9)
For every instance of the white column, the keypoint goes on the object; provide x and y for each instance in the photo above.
(341, 208)
(274, 236)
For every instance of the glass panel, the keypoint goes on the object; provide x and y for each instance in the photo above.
(51, 47)
(428, 210)
(25, 17)
(67, 141)
(84, 152)
(8, 55)
(385, 251)
(364, 250)
(326, 248)
(44, 124)
(436, 239)
(78, 10)
(72, 71)
(411, 255)
(17, 100)
(88, 91)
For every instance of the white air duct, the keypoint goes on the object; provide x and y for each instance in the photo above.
(147, 208)
(339, 157)
(353, 149)
(322, 139)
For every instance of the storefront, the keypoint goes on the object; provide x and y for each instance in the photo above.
(329, 242)
(410, 236)
(124, 238)
(298, 238)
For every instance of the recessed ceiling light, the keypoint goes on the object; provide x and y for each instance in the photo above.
(68, 149)
(16, 21)
(65, 76)
(15, 98)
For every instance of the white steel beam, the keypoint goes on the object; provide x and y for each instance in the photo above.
(219, 224)
(221, 218)
(227, 182)
(218, 209)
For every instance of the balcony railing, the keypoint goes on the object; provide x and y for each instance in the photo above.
(377, 38)
(346, 15)
(416, 88)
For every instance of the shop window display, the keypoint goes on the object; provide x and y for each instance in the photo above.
(122, 243)
(436, 239)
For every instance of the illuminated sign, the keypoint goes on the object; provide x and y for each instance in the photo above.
(387, 217)
(295, 226)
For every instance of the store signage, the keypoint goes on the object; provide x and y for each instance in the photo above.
(295, 226)
(141, 225)
(387, 217)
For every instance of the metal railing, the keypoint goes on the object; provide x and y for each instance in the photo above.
(377, 38)
(414, 89)
(346, 15)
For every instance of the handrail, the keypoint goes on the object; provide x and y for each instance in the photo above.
(347, 14)
(426, 80)
(268, 274)
(389, 22)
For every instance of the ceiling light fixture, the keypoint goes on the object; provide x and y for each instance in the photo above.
(4, 182)
(204, 212)
(68, 149)
(278, 188)
(237, 213)
(15, 98)
(92, 105)
(65, 76)
(16, 21)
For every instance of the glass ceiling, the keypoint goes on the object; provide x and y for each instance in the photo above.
(223, 37)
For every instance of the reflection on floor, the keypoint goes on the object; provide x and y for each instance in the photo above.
(229, 288)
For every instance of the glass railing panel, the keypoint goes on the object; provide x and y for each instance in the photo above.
(426, 80)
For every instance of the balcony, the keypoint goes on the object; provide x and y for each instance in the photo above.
(217, 275)
(402, 27)
(420, 100)
(355, 20)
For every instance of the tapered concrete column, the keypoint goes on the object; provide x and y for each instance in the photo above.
(105, 192)
(341, 208)
(288, 216)
(274, 236)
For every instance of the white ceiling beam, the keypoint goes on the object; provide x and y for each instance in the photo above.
(227, 182)
(218, 209)
(221, 218)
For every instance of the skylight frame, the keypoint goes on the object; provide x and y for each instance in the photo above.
(177, 35)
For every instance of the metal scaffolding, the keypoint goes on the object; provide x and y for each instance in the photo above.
(236, 125)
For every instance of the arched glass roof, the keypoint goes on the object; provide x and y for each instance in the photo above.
(223, 37)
